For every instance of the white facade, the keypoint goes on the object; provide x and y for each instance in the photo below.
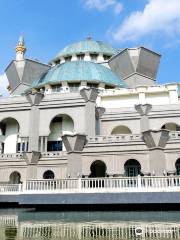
(64, 128)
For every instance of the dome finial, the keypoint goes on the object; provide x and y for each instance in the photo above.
(89, 37)
(20, 49)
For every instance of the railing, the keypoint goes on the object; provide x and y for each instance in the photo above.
(131, 184)
(101, 230)
(174, 134)
(52, 185)
(115, 138)
(11, 155)
(10, 188)
(53, 154)
(88, 185)
(126, 137)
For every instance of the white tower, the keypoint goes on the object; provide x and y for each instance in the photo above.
(20, 49)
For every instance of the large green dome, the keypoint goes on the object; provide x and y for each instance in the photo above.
(79, 71)
(87, 45)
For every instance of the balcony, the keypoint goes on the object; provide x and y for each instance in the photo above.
(95, 185)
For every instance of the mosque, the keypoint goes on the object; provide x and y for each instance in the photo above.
(92, 111)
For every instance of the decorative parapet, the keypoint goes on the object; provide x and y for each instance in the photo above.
(156, 138)
(74, 143)
(89, 94)
(32, 158)
(143, 109)
(99, 112)
(115, 138)
(35, 98)
(174, 135)
(58, 154)
(8, 156)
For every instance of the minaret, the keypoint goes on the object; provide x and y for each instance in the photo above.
(19, 71)
(20, 49)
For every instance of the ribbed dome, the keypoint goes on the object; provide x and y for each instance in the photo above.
(79, 71)
(87, 45)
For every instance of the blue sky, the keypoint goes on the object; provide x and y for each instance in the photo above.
(49, 25)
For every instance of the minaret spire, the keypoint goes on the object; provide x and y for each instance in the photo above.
(20, 49)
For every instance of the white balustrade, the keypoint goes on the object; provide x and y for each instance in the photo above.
(122, 184)
(10, 188)
(68, 184)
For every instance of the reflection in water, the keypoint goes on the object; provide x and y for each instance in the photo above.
(24, 225)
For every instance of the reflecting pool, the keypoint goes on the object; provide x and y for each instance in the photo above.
(26, 224)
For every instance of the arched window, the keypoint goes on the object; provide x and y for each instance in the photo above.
(121, 130)
(171, 127)
(48, 175)
(132, 168)
(15, 178)
(98, 169)
(178, 167)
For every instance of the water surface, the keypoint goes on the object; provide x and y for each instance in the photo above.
(26, 224)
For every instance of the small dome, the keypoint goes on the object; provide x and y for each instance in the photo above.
(87, 45)
(79, 71)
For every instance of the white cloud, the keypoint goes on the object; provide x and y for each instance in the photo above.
(102, 5)
(3, 85)
(118, 8)
(157, 17)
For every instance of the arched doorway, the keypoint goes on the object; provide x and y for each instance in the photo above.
(60, 124)
(48, 174)
(15, 178)
(132, 168)
(177, 165)
(121, 130)
(9, 129)
(98, 169)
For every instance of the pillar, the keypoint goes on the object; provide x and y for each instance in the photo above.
(144, 110)
(99, 112)
(74, 145)
(173, 92)
(32, 159)
(156, 141)
(90, 96)
(34, 100)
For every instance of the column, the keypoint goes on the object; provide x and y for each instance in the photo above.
(25, 145)
(90, 96)
(83, 85)
(48, 89)
(34, 100)
(41, 144)
(21, 146)
(62, 60)
(99, 112)
(142, 96)
(144, 110)
(173, 93)
(65, 86)
(87, 57)
(74, 146)
(45, 143)
(156, 141)
(100, 58)
(74, 58)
